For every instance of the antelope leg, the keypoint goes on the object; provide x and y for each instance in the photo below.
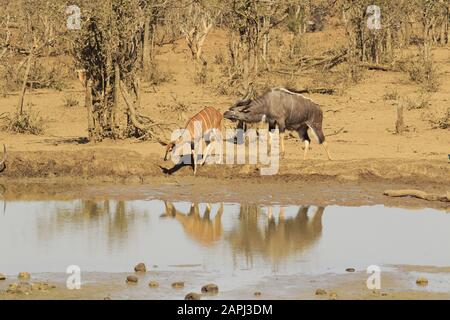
(282, 144)
(207, 150)
(325, 146)
(194, 156)
(306, 149)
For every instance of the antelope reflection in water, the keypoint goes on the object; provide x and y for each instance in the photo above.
(202, 229)
(276, 240)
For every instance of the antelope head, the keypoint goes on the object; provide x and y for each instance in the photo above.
(169, 149)
(81, 74)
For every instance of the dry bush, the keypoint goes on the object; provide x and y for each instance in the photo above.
(25, 122)
(8, 79)
(201, 75)
(52, 77)
(391, 95)
(219, 58)
(421, 102)
(440, 121)
(424, 73)
(71, 101)
(155, 76)
(177, 107)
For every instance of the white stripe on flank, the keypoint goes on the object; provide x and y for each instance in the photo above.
(294, 93)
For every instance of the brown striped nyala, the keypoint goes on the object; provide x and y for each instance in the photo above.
(208, 122)
(285, 108)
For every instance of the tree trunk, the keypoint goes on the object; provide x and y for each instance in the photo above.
(24, 82)
(146, 47)
(89, 109)
(399, 124)
(115, 108)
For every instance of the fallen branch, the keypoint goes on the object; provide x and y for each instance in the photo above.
(318, 90)
(418, 194)
(376, 67)
(336, 132)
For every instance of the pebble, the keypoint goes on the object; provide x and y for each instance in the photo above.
(178, 285)
(2, 276)
(42, 286)
(192, 296)
(210, 288)
(140, 267)
(22, 288)
(320, 292)
(24, 276)
(350, 270)
(422, 281)
(153, 284)
(132, 279)
(333, 296)
(257, 294)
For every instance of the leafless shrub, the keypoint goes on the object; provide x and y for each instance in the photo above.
(420, 102)
(219, 58)
(71, 101)
(391, 95)
(424, 74)
(440, 121)
(155, 76)
(25, 122)
(50, 78)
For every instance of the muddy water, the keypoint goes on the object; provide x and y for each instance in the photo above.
(238, 242)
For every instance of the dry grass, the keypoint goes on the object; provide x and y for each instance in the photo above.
(27, 122)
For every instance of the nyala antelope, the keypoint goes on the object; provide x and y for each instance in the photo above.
(286, 109)
(202, 229)
(210, 120)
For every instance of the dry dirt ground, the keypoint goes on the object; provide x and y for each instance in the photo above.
(395, 285)
(364, 147)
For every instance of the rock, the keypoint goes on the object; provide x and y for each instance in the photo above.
(320, 292)
(2, 277)
(42, 286)
(24, 276)
(19, 288)
(257, 294)
(210, 288)
(192, 296)
(422, 281)
(350, 270)
(12, 287)
(178, 285)
(153, 284)
(333, 296)
(132, 279)
(140, 267)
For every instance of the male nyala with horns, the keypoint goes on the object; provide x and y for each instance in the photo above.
(286, 109)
